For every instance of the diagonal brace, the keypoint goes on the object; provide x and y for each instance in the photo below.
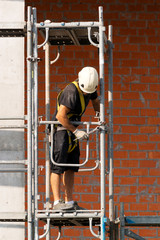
(133, 235)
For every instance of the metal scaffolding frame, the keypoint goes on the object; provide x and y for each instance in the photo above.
(77, 33)
(73, 33)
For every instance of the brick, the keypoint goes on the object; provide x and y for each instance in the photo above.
(148, 129)
(117, 7)
(139, 40)
(147, 232)
(120, 120)
(153, 40)
(154, 104)
(121, 87)
(120, 154)
(154, 172)
(130, 129)
(139, 172)
(139, 103)
(136, 7)
(116, 112)
(154, 87)
(147, 180)
(121, 103)
(128, 63)
(139, 87)
(146, 16)
(130, 112)
(148, 198)
(129, 47)
(137, 24)
(154, 138)
(130, 95)
(138, 207)
(151, 63)
(153, 120)
(154, 190)
(150, 95)
(121, 172)
(129, 198)
(128, 180)
(148, 47)
(129, 163)
(120, 39)
(148, 164)
(137, 155)
(121, 137)
(146, 32)
(137, 120)
(90, 198)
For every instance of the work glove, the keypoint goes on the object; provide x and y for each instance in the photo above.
(80, 134)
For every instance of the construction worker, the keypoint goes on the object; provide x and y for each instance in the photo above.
(71, 104)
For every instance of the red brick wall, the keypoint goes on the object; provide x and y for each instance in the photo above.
(136, 87)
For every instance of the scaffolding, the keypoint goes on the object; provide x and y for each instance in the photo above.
(71, 33)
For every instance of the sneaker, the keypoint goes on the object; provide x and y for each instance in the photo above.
(62, 206)
(77, 207)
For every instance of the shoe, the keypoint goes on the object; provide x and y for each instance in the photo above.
(62, 206)
(77, 207)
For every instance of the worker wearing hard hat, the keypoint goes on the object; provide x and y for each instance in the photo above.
(71, 104)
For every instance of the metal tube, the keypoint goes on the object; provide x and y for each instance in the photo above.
(91, 229)
(76, 123)
(29, 113)
(68, 164)
(13, 170)
(12, 126)
(46, 40)
(102, 118)
(67, 24)
(57, 57)
(47, 230)
(47, 107)
(12, 118)
(35, 97)
(110, 135)
(89, 38)
(25, 162)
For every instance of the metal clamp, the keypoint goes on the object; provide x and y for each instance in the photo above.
(33, 59)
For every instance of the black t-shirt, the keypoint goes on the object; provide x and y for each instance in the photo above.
(70, 98)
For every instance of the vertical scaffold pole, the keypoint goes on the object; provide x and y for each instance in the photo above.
(29, 116)
(110, 135)
(102, 118)
(35, 100)
(47, 103)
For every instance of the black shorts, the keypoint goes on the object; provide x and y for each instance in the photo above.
(61, 154)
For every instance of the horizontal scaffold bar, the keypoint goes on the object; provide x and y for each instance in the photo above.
(13, 216)
(142, 221)
(67, 24)
(76, 123)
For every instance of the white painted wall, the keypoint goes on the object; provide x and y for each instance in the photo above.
(12, 191)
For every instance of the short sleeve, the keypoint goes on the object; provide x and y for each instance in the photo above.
(68, 97)
(94, 95)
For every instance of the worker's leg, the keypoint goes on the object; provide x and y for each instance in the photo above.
(68, 181)
(55, 185)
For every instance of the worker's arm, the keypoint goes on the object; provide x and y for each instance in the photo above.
(96, 105)
(63, 119)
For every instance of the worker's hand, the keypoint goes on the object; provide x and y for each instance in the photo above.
(81, 134)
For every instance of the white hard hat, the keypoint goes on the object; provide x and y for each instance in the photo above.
(88, 79)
